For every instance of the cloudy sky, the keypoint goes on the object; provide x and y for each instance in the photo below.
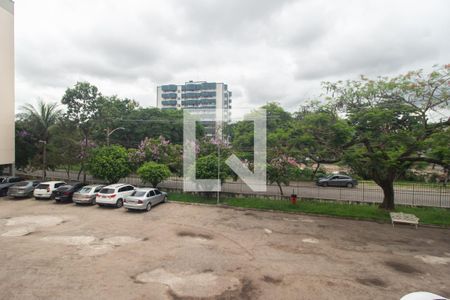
(265, 50)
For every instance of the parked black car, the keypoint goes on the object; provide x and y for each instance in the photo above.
(23, 188)
(6, 183)
(65, 192)
(337, 180)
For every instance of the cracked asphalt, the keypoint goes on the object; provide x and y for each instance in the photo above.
(178, 251)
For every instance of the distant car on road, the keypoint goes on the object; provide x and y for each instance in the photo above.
(65, 192)
(45, 189)
(337, 180)
(6, 183)
(23, 188)
(144, 199)
(114, 194)
(87, 194)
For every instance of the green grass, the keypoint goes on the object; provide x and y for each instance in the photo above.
(427, 215)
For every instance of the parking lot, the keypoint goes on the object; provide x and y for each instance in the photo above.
(178, 251)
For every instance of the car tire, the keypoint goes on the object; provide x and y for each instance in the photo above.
(3, 193)
(349, 185)
(165, 199)
(119, 203)
(148, 207)
(93, 202)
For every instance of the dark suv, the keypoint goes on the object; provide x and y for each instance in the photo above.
(337, 180)
(6, 182)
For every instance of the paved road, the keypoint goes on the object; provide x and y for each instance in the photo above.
(419, 195)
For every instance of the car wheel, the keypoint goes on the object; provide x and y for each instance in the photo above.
(119, 203)
(165, 199)
(148, 207)
(3, 193)
(349, 185)
(93, 202)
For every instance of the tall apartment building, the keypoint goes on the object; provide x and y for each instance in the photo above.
(7, 83)
(197, 97)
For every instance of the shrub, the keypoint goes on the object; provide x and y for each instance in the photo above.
(109, 163)
(153, 173)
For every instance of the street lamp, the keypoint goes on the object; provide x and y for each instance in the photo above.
(109, 132)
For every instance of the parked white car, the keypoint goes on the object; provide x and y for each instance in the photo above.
(114, 194)
(144, 199)
(45, 189)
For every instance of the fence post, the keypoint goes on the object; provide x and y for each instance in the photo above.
(414, 193)
(363, 188)
(440, 196)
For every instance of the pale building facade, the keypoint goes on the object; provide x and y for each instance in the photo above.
(7, 101)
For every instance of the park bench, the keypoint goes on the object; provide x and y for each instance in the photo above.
(404, 218)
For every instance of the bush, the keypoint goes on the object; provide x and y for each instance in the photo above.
(153, 173)
(109, 163)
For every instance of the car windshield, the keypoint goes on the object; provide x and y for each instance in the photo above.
(107, 191)
(64, 188)
(42, 187)
(23, 183)
(85, 190)
(138, 193)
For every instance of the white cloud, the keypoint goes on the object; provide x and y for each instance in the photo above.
(265, 50)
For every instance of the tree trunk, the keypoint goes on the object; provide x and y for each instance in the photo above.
(79, 172)
(315, 171)
(86, 136)
(44, 175)
(388, 191)
(68, 172)
(281, 189)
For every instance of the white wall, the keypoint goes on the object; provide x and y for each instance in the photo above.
(6, 83)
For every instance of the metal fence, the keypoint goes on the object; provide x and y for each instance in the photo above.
(414, 194)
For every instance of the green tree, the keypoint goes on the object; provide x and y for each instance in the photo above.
(65, 147)
(41, 119)
(153, 173)
(207, 167)
(109, 163)
(113, 115)
(392, 120)
(26, 146)
(83, 102)
(320, 137)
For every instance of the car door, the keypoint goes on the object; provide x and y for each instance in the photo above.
(333, 181)
(346, 180)
(152, 196)
(159, 196)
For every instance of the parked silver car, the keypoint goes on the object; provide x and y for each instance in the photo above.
(144, 199)
(23, 189)
(87, 194)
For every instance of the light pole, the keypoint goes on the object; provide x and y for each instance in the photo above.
(109, 132)
(44, 159)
